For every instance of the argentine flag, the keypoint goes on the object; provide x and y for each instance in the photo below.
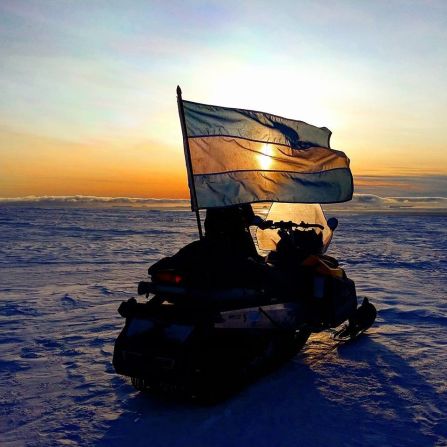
(243, 156)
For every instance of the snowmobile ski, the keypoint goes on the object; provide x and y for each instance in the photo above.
(362, 319)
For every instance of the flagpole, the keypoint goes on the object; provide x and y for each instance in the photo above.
(192, 186)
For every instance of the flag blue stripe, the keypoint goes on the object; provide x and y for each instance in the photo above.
(207, 120)
(233, 188)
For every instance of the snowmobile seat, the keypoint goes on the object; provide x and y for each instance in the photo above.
(210, 263)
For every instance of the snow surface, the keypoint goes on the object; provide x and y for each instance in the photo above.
(65, 270)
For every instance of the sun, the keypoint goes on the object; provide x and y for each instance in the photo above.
(265, 157)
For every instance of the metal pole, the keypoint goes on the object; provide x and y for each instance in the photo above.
(192, 187)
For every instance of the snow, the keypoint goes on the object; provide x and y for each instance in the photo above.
(65, 269)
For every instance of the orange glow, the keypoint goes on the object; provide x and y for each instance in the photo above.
(38, 165)
(35, 165)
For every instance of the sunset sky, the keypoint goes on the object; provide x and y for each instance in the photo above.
(88, 102)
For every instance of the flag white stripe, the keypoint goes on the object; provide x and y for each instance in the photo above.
(224, 154)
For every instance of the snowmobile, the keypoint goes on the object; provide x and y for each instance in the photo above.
(222, 311)
(214, 321)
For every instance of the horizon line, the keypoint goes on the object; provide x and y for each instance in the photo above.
(360, 203)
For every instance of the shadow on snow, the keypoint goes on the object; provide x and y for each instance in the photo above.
(373, 397)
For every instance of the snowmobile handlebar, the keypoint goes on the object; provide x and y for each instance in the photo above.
(282, 225)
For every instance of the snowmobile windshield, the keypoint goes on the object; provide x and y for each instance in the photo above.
(295, 212)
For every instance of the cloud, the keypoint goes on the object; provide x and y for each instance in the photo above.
(366, 202)
(373, 202)
(79, 200)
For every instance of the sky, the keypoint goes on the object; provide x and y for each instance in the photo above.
(88, 87)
